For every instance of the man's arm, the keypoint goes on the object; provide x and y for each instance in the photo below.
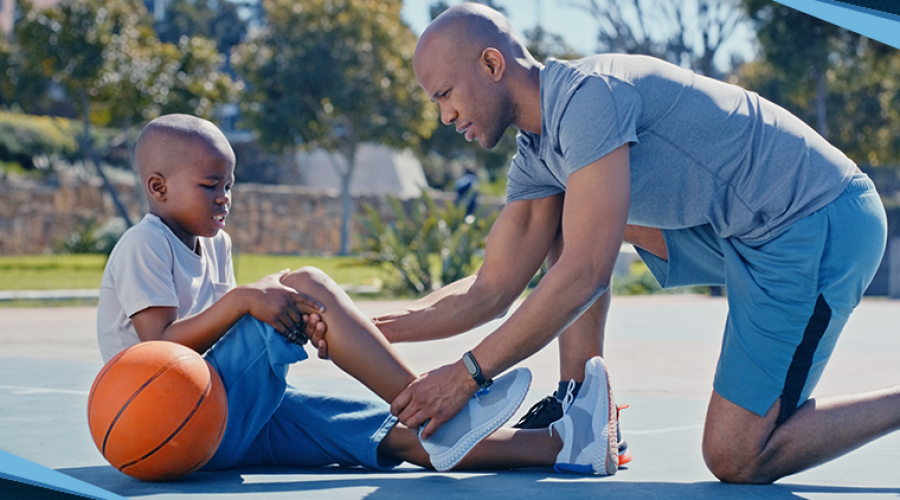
(594, 219)
(517, 244)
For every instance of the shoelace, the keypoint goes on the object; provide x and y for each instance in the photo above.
(569, 398)
(567, 401)
(537, 409)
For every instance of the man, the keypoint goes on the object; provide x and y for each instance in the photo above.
(711, 183)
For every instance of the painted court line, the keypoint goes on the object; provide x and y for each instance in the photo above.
(17, 389)
(664, 430)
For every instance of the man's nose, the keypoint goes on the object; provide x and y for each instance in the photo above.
(448, 115)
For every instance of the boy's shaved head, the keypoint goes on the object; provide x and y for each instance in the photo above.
(161, 146)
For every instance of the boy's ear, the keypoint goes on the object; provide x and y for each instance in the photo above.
(156, 186)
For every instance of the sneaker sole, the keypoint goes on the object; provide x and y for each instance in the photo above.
(448, 460)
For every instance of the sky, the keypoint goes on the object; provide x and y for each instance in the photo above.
(576, 26)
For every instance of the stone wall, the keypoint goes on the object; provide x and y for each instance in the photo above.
(267, 219)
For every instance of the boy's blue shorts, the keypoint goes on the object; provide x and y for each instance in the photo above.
(789, 297)
(273, 423)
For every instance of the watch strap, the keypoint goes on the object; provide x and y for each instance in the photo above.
(475, 370)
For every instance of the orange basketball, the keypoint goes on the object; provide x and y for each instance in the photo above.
(157, 411)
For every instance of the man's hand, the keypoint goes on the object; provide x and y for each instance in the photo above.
(436, 396)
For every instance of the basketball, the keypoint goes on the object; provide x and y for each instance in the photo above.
(157, 411)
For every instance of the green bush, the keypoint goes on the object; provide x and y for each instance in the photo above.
(24, 137)
(92, 238)
(426, 246)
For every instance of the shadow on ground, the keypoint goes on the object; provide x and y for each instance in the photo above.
(414, 484)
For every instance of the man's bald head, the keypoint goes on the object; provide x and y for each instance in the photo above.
(161, 146)
(463, 31)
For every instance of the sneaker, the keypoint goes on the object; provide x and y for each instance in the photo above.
(549, 410)
(588, 426)
(484, 414)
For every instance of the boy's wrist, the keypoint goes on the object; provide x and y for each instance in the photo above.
(239, 299)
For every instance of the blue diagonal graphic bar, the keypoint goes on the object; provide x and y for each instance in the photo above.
(18, 469)
(874, 24)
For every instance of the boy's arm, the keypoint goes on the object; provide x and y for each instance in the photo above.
(266, 300)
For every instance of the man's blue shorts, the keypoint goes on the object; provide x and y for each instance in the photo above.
(789, 297)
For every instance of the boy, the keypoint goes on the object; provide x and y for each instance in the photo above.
(171, 278)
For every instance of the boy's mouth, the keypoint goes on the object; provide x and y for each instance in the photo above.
(219, 220)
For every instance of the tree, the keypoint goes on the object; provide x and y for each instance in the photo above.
(333, 74)
(689, 34)
(106, 57)
(216, 20)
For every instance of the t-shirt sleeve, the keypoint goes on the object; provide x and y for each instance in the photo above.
(143, 273)
(527, 179)
(601, 116)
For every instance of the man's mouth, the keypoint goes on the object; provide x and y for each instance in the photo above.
(467, 130)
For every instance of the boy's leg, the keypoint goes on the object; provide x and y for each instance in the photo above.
(252, 360)
(773, 355)
(357, 346)
(354, 343)
(504, 449)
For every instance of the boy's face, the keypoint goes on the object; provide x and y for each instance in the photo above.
(198, 192)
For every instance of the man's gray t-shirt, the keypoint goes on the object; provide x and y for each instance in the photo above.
(702, 151)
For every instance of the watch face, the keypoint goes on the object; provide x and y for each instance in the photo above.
(470, 365)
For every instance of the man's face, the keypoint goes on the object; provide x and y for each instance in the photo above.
(470, 99)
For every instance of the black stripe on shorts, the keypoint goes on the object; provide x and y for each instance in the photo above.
(803, 357)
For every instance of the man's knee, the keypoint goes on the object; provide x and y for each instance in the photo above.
(730, 465)
(734, 441)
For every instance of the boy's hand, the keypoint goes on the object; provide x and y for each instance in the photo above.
(315, 330)
(280, 306)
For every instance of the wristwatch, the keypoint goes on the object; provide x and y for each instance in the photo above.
(475, 370)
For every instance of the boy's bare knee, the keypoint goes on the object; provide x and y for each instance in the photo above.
(311, 281)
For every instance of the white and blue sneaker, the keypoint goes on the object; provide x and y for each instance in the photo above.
(588, 425)
(482, 415)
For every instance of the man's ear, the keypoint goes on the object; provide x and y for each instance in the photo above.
(492, 60)
(156, 186)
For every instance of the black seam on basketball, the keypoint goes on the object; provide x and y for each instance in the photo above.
(175, 433)
(212, 452)
(112, 424)
(103, 371)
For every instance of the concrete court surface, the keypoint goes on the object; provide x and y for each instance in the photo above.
(661, 352)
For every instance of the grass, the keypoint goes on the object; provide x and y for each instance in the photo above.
(51, 272)
(55, 272)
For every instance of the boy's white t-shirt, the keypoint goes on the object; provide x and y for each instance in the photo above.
(151, 267)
